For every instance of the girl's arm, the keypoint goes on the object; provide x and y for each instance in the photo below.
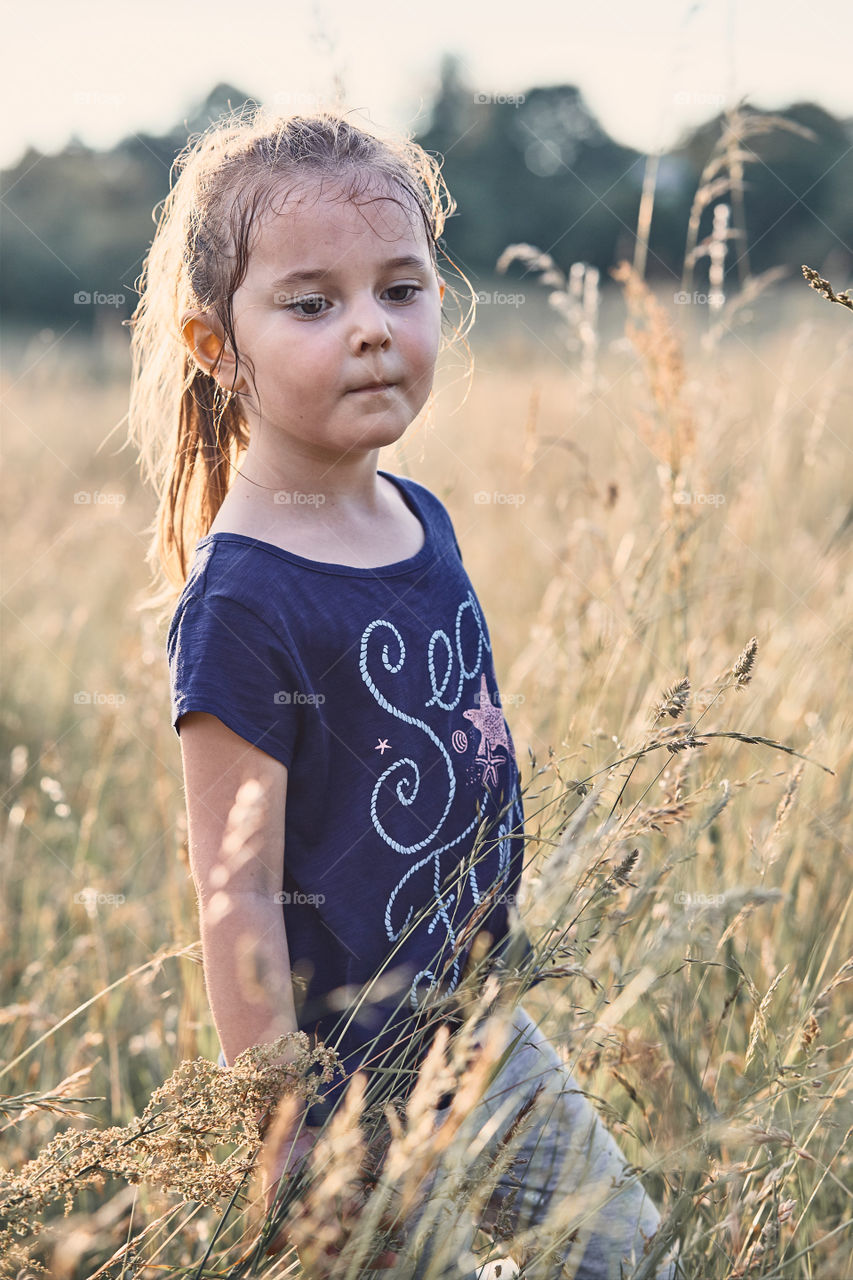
(246, 960)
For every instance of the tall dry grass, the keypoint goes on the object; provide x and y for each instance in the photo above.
(664, 561)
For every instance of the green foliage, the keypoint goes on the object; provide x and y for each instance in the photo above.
(537, 167)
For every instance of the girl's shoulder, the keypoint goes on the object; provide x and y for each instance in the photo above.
(427, 501)
(432, 511)
(416, 489)
(251, 576)
(228, 619)
(222, 574)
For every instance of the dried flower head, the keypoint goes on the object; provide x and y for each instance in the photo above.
(174, 1144)
(742, 670)
(824, 287)
(674, 701)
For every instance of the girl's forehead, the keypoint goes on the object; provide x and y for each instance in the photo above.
(326, 215)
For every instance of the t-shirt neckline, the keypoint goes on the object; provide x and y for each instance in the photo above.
(348, 570)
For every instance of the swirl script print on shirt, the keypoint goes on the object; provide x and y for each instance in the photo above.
(481, 753)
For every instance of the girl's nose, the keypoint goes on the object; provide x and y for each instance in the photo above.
(369, 325)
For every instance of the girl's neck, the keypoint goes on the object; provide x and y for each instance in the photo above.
(348, 516)
(273, 485)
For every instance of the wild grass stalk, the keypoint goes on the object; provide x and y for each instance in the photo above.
(676, 670)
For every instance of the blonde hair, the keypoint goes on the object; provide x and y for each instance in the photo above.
(189, 431)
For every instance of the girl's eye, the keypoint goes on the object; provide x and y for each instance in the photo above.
(310, 305)
(407, 288)
(309, 300)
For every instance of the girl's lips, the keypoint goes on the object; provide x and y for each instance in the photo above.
(374, 387)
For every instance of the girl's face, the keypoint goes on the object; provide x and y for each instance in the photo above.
(338, 295)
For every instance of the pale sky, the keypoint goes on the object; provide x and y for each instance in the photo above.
(106, 68)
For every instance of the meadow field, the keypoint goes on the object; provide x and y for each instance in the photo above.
(653, 502)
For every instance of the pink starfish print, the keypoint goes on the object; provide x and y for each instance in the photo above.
(490, 721)
(490, 760)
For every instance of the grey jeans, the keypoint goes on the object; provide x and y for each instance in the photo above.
(574, 1180)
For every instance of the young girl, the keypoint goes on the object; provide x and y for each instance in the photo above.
(327, 641)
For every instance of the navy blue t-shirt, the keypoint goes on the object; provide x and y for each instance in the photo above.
(376, 689)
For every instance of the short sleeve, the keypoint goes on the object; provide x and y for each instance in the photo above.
(227, 661)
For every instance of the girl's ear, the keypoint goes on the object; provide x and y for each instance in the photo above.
(440, 289)
(203, 336)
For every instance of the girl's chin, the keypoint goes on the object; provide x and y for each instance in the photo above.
(378, 433)
(362, 430)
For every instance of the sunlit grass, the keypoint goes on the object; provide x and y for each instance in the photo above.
(647, 515)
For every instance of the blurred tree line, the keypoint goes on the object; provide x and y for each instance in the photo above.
(537, 168)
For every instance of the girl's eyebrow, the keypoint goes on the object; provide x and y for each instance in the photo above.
(308, 274)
